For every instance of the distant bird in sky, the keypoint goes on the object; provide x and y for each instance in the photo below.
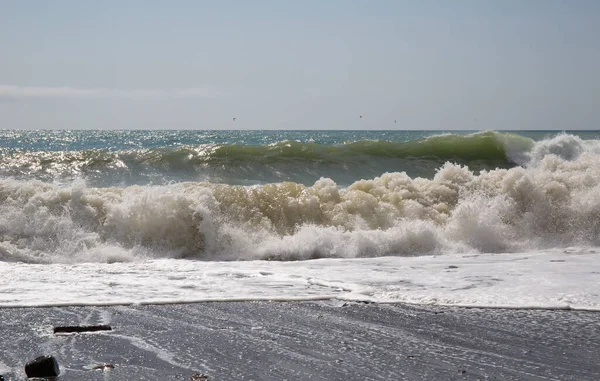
(234, 119)
(360, 116)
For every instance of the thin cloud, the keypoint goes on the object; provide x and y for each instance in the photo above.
(26, 92)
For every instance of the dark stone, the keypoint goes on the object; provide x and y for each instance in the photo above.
(42, 367)
(104, 367)
(83, 328)
(199, 377)
(452, 267)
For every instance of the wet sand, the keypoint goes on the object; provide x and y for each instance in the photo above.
(305, 340)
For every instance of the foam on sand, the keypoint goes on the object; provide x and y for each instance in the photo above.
(565, 279)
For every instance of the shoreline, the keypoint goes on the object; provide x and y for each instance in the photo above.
(302, 299)
(319, 340)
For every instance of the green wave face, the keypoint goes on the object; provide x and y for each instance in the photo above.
(282, 161)
(485, 146)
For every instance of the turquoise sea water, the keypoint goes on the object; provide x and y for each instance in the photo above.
(107, 158)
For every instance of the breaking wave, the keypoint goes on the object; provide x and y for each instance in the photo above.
(552, 199)
(242, 164)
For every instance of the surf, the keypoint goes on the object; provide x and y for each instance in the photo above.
(239, 163)
(550, 202)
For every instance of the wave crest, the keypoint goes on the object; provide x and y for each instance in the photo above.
(255, 164)
(553, 202)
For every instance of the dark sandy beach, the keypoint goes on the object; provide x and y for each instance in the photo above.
(305, 340)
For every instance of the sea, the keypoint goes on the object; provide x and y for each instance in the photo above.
(506, 219)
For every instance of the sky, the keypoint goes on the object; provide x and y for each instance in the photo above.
(310, 64)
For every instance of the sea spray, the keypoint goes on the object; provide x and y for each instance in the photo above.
(551, 201)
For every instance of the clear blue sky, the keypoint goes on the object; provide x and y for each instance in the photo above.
(478, 64)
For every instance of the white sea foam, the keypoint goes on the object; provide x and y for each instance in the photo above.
(552, 202)
(389, 239)
(557, 279)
